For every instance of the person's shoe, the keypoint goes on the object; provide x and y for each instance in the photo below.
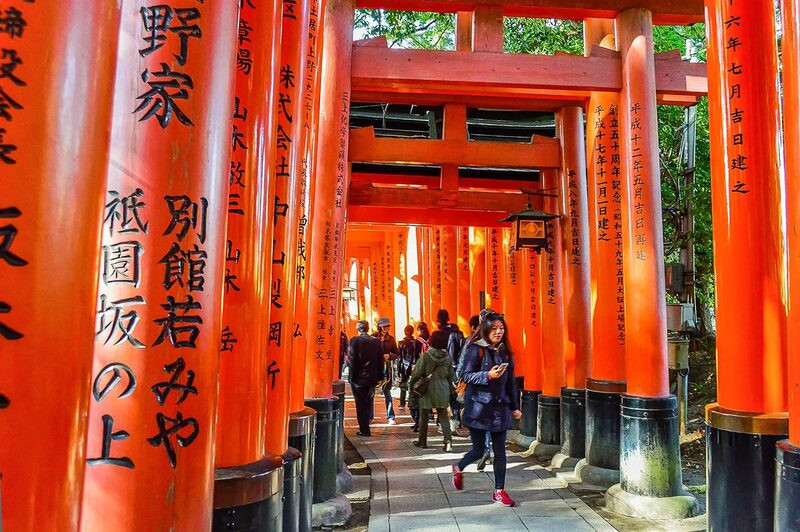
(457, 478)
(482, 461)
(363, 434)
(448, 447)
(439, 430)
(417, 443)
(392, 422)
(501, 497)
(415, 429)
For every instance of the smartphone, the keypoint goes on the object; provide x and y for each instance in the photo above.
(504, 365)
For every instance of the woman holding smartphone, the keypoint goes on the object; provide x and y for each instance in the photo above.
(490, 401)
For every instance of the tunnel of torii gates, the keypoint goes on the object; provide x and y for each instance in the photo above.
(180, 223)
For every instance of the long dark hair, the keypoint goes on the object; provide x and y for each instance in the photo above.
(486, 328)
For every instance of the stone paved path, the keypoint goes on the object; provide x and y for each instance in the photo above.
(411, 487)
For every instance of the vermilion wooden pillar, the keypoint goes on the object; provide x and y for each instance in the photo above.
(53, 161)
(424, 273)
(374, 284)
(436, 271)
(605, 178)
(402, 310)
(330, 192)
(514, 290)
(464, 296)
(553, 370)
(450, 270)
(749, 417)
(477, 269)
(243, 468)
(531, 349)
(788, 457)
(150, 455)
(388, 257)
(289, 154)
(649, 438)
(495, 269)
(305, 358)
(577, 291)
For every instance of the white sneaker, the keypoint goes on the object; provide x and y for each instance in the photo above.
(392, 422)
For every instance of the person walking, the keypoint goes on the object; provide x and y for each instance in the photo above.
(423, 335)
(410, 350)
(365, 360)
(490, 401)
(390, 354)
(455, 340)
(436, 366)
(474, 335)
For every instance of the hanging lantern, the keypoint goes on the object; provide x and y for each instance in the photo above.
(530, 230)
(349, 293)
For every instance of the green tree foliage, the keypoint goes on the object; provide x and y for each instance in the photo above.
(547, 36)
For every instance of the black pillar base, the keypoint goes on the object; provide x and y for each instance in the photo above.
(548, 422)
(603, 423)
(325, 466)
(787, 487)
(650, 460)
(573, 422)
(530, 413)
(302, 431)
(292, 492)
(249, 498)
(338, 389)
(740, 468)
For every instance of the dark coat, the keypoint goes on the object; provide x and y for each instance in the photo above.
(410, 350)
(488, 403)
(366, 361)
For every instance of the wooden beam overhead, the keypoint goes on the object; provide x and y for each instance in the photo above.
(365, 194)
(411, 216)
(432, 182)
(673, 12)
(383, 74)
(369, 149)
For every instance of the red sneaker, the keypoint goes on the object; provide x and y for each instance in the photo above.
(501, 497)
(458, 478)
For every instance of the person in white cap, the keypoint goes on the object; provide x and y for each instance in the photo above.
(390, 353)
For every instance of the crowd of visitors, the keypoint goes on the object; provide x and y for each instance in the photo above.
(468, 382)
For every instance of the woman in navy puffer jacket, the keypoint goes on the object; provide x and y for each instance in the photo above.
(490, 401)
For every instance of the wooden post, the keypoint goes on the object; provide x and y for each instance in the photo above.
(606, 204)
(477, 268)
(464, 296)
(450, 270)
(649, 439)
(575, 234)
(513, 288)
(163, 273)
(747, 206)
(495, 269)
(788, 451)
(55, 114)
(243, 468)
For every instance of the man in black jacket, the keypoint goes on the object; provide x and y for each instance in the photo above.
(390, 354)
(455, 340)
(365, 358)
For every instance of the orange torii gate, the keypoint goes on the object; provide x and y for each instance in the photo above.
(563, 84)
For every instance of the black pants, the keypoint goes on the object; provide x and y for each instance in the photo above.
(364, 398)
(478, 438)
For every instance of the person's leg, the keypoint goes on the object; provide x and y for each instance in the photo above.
(402, 395)
(387, 395)
(444, 422)
(362, 400)
(423, 426)
(415, 416)
(478, 438)
(499, 463)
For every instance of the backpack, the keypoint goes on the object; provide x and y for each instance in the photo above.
(461, 387)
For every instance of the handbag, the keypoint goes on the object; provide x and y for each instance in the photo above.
(461, 386)
(420, 386)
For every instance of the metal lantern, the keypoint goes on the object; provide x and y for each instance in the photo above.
(530, 229)
(349, 293)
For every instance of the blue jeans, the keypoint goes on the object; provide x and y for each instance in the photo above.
(479, 438)
(387, 394)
